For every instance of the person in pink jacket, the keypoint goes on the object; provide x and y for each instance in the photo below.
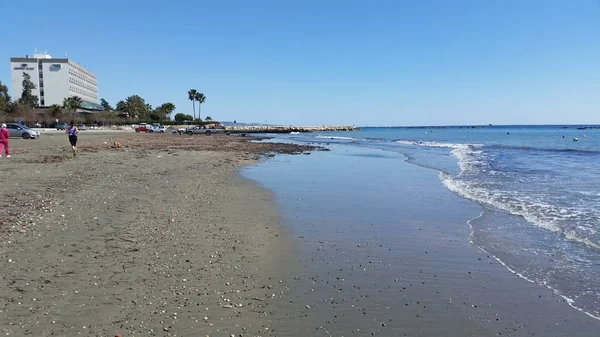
(4, 134)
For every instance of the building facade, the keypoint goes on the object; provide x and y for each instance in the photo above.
(55, 79)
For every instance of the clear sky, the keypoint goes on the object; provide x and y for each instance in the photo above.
(330, 61)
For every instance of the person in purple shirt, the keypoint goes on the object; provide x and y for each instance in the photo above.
(73, 131)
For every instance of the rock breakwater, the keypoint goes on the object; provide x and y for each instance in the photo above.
(288, 129)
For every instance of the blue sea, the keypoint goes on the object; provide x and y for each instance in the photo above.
(538, 188)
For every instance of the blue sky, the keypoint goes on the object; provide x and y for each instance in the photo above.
(330, 62)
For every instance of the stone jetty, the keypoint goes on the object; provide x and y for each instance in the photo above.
(288, 129)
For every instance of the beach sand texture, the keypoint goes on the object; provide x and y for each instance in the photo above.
(161, 236)
(141, 240)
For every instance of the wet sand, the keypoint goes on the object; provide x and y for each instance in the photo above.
(160, 237)
(384, 251)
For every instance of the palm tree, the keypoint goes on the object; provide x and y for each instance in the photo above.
(192, 94)
(77, 101)
(200, 98)
(55, 110)
(72, 103)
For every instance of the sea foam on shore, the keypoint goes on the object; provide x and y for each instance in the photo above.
(385, 250)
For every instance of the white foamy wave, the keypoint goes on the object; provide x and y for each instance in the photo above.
(294, 133)
(436, 144)
(570, 301)
(470, 157)
(539, 213)
(335, 137)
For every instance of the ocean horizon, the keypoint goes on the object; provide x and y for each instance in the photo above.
(484, 126)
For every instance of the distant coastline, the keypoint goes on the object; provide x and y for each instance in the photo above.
(289, 129)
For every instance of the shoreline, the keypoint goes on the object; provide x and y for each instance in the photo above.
(168, 235)
(389, 265)
(571, 301)
(121, 240)
(566, 299)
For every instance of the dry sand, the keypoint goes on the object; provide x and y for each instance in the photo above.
(161, 237)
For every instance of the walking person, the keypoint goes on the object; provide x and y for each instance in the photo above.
(73, 131)
(4, 135)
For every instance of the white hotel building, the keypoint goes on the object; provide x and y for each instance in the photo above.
(55, 79)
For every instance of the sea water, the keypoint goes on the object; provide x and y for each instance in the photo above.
(539, 188)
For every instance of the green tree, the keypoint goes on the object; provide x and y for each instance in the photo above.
(208, 118)
(135, 107)
(156, 116)
(105, 105)
(55, 111)
(165, 109)
(181, 117)
(122, 107)
(192, 94)
(200, 98)
(72, 103)
(138, 107)
(27, 97)
(4, 98)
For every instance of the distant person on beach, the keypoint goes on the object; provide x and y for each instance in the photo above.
(4, 135)
(73, 131)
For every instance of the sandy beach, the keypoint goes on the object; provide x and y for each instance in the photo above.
(160, 237)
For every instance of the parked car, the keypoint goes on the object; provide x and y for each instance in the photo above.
(203, 130)
(142, 128)
(157, 128)
(61, 126)
(82, 127)
(22, 131)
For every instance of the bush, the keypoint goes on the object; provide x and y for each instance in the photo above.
(181, 117)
